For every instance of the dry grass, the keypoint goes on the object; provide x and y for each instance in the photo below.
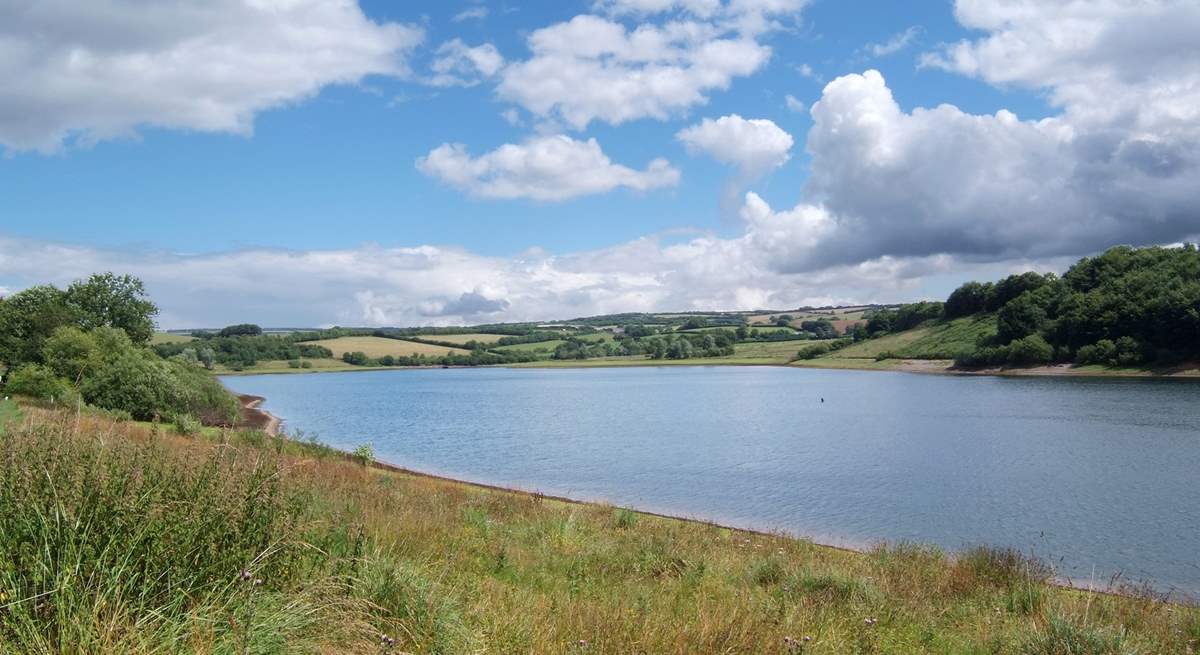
(446, 567)
(379, 346)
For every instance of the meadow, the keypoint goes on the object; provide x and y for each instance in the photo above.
(462, 339)
(167, 337)
(379, 346)
(128, 537)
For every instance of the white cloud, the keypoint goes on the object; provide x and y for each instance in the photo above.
(1129, 65)
(755, 146)
(100, 70)
(545, 168)
(895, 44)
(429, 285)
(794, 104)
(806, 70)
(991, 187)
(473, 13)
(594, 68)
(457, 64)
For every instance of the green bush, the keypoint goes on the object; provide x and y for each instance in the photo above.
(1031, 350)
(185, 425)
(37, 381)
(364, 454)
(293, 363)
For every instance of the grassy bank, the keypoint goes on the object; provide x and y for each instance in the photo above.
(118, 537)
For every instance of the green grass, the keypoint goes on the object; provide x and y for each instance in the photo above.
(381, 346)
(121, 538)
(9, 413)
(937, 340)
(546, 346)
(166, 337)
(775, 351)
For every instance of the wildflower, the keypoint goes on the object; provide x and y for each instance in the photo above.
(245, 575)
(258, 582)
(870, 622)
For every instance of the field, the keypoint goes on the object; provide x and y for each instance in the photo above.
(546, 346)
(936, 341)
(354, 552)
(776, 351)
(315, 366)
(166, 337)
(462, 339)
(380, 346)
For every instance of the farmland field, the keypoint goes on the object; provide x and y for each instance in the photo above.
(547, 346)
(167, 337)
(936, 341)
(379, 346)
(462, 339)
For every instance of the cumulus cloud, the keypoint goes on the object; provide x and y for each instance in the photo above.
(1117, 64)
(100, 70)
(457, 64)
(984, 187)
(755, 146)
(594, 68)
(546, 168)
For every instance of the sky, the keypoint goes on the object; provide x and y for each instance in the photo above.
(372, 162)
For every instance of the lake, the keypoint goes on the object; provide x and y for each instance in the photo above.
(1099, 476)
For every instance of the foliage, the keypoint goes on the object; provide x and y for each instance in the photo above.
(38, 381)
(1125, 307)
(241, 330)
(115, 301)
(364, 454)
(970, 298)
(905, 317)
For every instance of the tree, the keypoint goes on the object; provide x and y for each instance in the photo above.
(241, 330)
(71, 353)
(1032, 349)
(27, 319)
(968, 299)
(119, 301)
(37, 381)
(1020, 318)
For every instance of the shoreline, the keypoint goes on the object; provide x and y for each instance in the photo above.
(256, 418)
(917, 366)
(252, 404)
(1172, 596)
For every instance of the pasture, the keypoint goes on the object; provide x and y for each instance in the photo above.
(375, 347)
(462, 339)
(166, 337)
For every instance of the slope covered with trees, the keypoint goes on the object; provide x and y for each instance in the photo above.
(88, 344)
(1126, 307)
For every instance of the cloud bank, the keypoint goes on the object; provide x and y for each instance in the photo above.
(99, 70)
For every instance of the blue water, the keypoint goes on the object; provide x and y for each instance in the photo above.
(1099, 476)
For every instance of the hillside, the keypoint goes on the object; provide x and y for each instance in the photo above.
(341, 557)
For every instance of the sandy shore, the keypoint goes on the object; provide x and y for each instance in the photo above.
(254, 417)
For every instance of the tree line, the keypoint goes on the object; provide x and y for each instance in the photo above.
(88, 344)
(1125, 307)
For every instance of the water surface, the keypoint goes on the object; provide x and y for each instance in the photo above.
(1101, 476)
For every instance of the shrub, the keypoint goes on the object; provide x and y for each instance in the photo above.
(1030, 350)
(364, 454)
(306, 364)
(813, 351)
(356, 358)
(186, 425)
(293, 363)
(37, 381)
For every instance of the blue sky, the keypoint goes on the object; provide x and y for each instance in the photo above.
(329, 164)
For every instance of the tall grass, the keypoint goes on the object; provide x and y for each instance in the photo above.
(117, 537)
